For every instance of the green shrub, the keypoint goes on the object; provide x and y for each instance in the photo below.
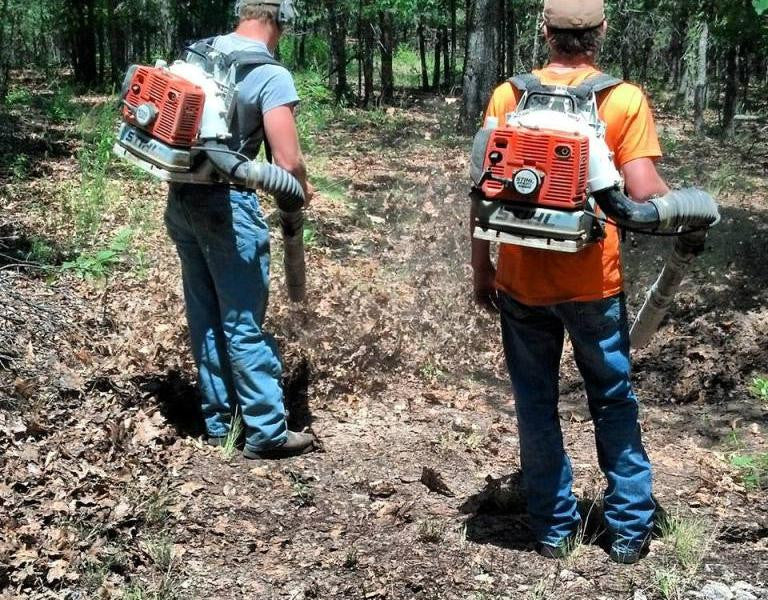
(759, 388)
(753, 469)
(18, 96)
(97, 265)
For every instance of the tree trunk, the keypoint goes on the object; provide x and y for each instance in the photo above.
(4, 62)
(387, 49)
(447, 73)
(731, 91)
(436, 69)
(452, 8)
(700, 97)
(480, 73)
(368, 50)
(337, 20)
(423, 56)
(536, 42)
(511, 39)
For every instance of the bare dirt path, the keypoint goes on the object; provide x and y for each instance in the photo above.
(107, 490)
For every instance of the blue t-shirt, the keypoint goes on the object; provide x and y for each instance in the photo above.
(266, 87)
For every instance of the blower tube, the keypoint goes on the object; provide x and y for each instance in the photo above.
(290, 199)
(689, 208)
(687, 247)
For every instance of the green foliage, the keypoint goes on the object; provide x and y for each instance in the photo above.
(236, 428)
(87, 203)
(753, 469)
(309, 234)
(316, 107)
(18, 96)
(669, 582)
(689, 538)
(97, 265)
(760, 6)
(60, 107)
(759, 388)
(19, 168)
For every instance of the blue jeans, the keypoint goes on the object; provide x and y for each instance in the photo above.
(533, 344)
(223, 243)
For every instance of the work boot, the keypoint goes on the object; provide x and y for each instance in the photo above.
(549, 551)
(624, 555)
(295, 443)
(216, 441)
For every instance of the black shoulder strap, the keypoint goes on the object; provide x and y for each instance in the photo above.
(244, 62)
(525, 82)
(594, 85)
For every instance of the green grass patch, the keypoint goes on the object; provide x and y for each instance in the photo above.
(752, 468)
(689, 539)
(759, 388)
(18, 96)
(236, 428)
(97, 265)
(87, 203)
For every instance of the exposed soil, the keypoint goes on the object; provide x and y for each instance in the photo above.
(106, 489)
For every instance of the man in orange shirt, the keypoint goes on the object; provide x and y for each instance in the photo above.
(543, 293)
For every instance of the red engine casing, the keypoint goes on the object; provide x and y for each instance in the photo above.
(562, 158)
(179, 104)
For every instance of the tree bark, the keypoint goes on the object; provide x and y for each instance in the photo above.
(731, 91)
(423, 56)
(699, 101)
(368, 50)
(480, 74)
(387, 50)
(337, 20)
(436, 69)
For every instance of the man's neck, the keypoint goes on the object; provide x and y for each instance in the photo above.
(257, 31)
(565, 62)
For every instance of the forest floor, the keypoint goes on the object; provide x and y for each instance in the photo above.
(107, 491)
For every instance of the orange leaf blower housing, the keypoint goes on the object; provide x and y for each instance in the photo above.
(165, 105)
(540, 167)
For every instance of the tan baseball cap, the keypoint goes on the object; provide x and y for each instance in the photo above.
(573, 14)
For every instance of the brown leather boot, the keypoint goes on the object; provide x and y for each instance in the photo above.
(295, 443)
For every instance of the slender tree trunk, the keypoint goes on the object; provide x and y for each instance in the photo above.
(731, 91)
(387, 48)
(368, 50)
(511, 38)
(447, 73)
(337, 20)
(436, 69)
(452, 8)
(4, 62)
(480, 74)
(423, 56)
(536, 42)
(699, 102)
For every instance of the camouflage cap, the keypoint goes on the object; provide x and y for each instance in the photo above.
(573, 14)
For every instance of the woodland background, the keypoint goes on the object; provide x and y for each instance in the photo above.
(706, 52)
(106, 488)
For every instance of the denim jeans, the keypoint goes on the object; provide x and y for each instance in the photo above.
(223, 243)
(533, 344)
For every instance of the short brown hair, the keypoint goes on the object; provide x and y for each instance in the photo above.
(576, 42)
(260, 12)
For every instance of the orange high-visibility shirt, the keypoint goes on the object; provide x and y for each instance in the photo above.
(538, 277)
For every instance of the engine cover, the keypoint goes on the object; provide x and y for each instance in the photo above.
(538, 166)
(168, 107)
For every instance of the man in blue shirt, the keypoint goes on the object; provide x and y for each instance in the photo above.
(223, 244)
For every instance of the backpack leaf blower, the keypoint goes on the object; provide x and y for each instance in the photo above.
(541, 178)
(176, 125)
